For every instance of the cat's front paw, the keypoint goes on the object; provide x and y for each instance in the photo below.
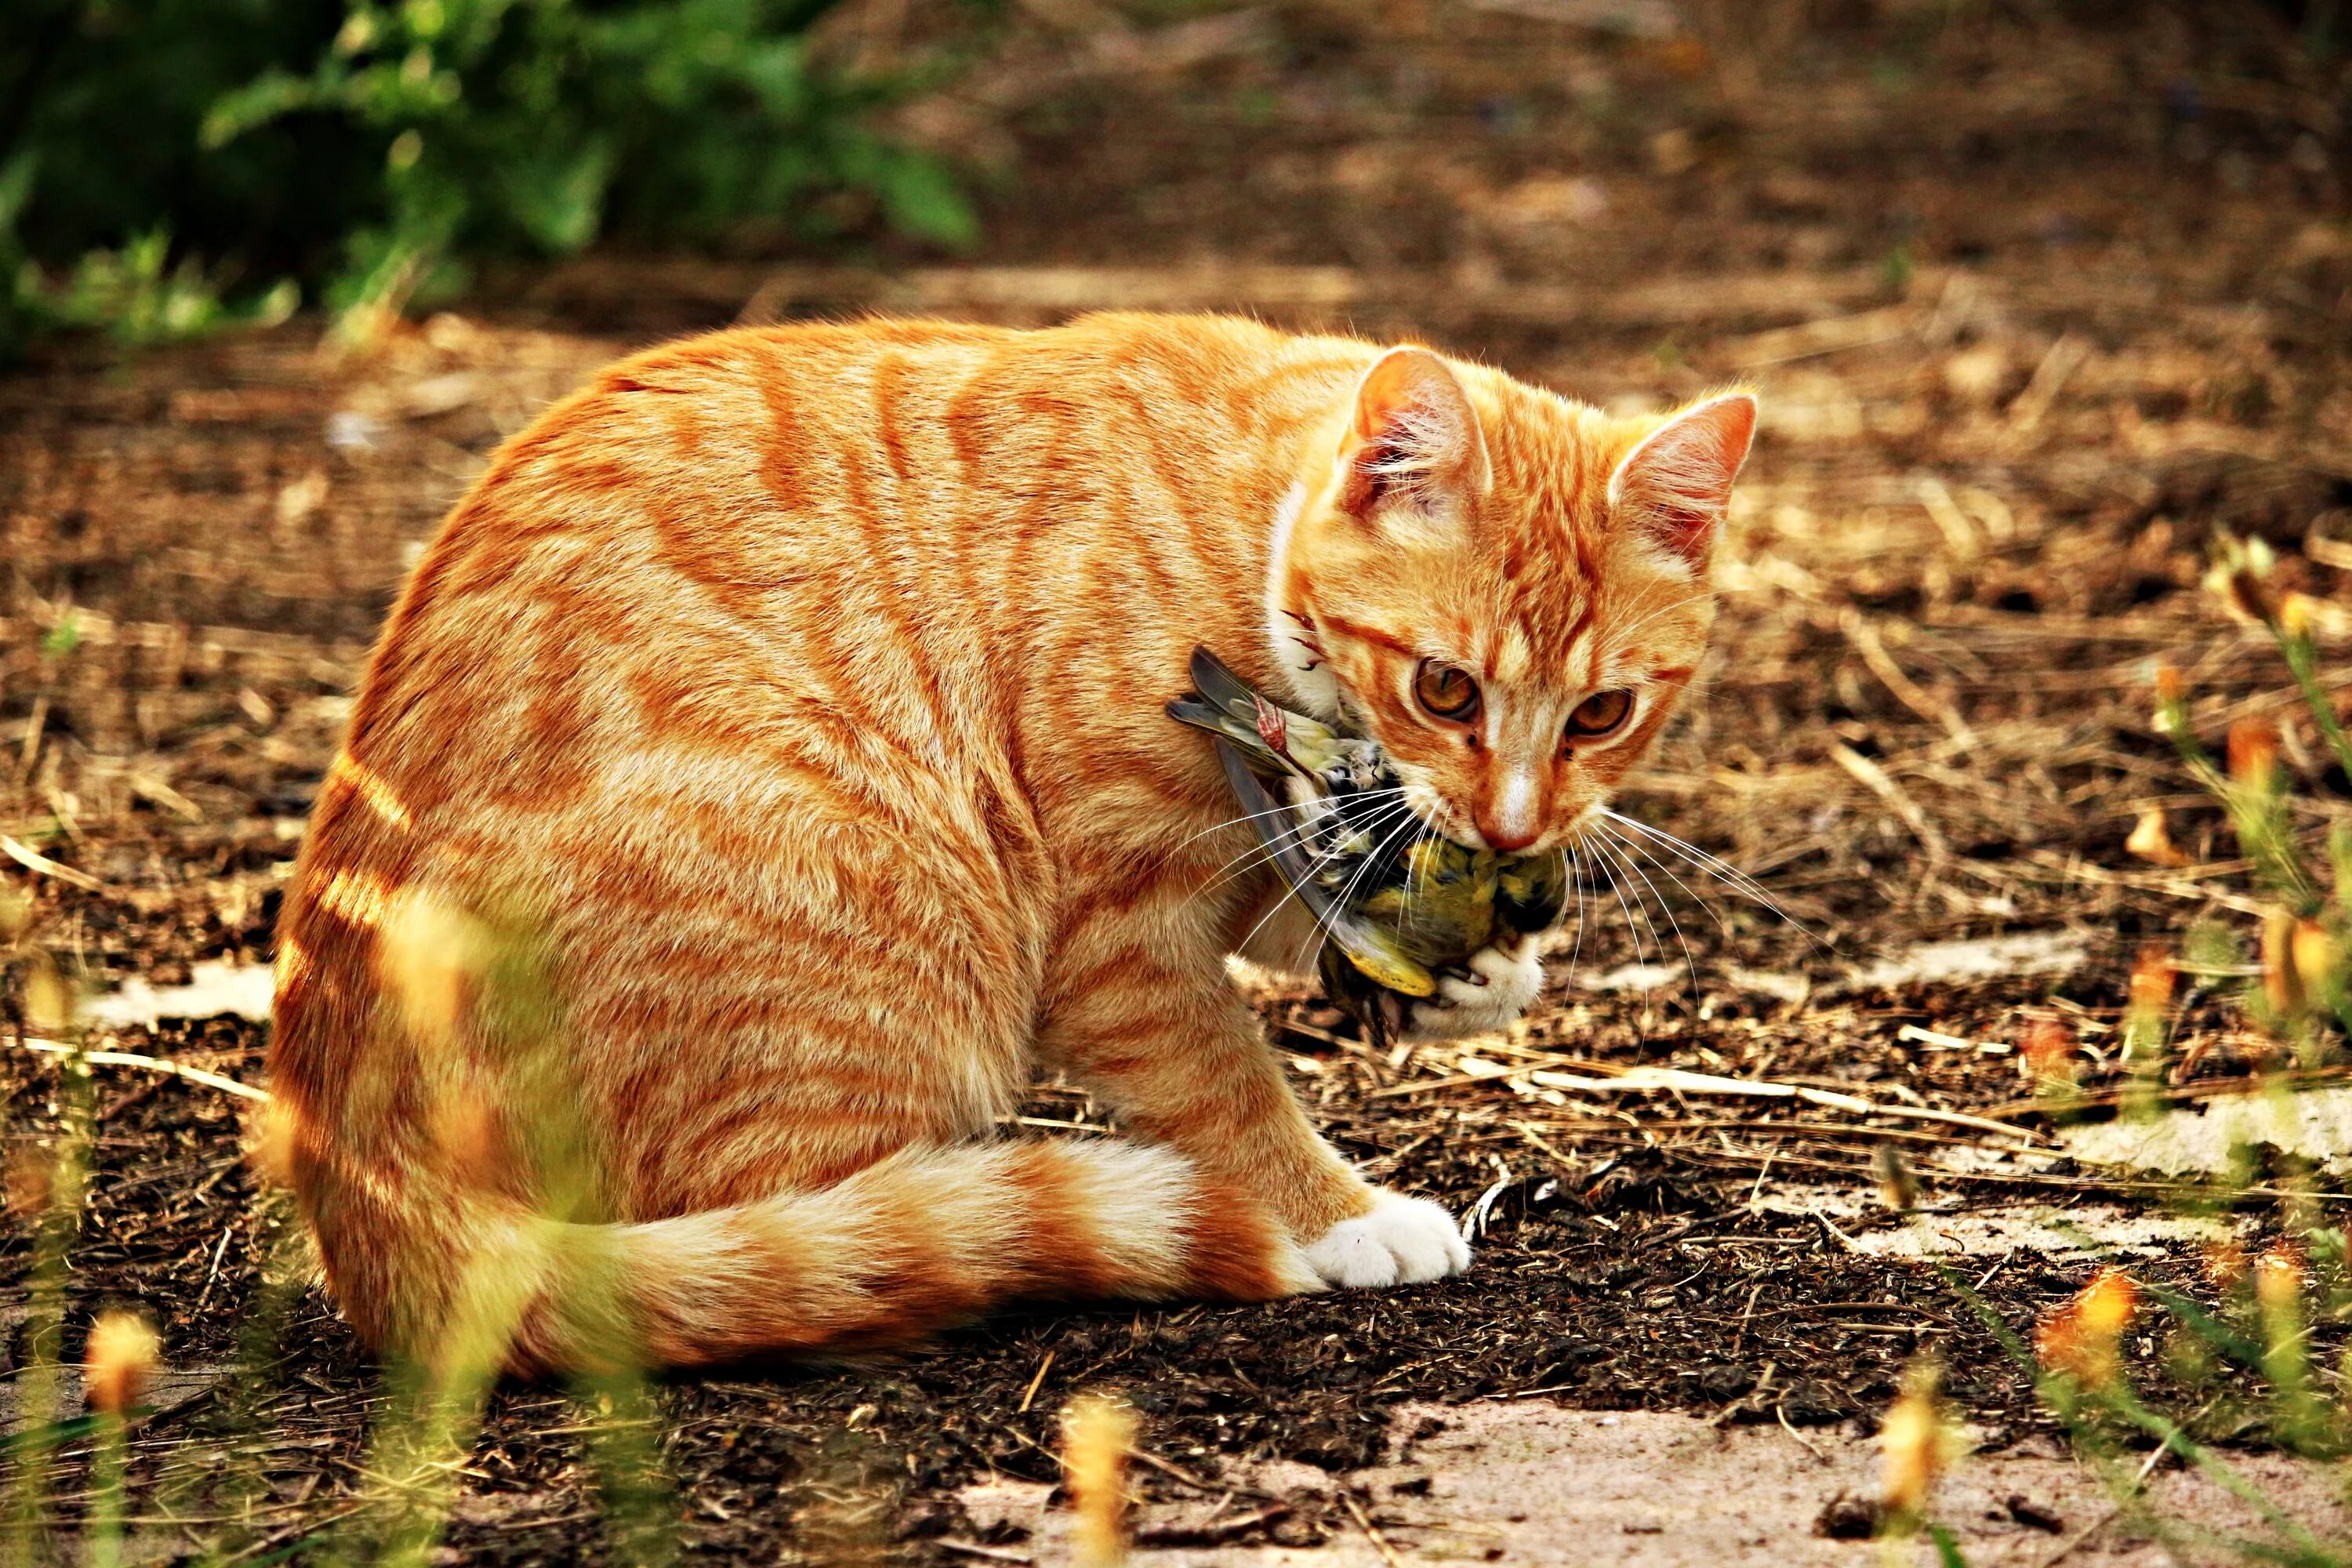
(1402, 1241)
(1497, 987)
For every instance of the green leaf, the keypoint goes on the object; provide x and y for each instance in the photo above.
(64, 637)
(16, 189)
(560, 204)
(920, 200)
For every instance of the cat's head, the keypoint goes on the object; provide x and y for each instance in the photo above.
(1510, 592)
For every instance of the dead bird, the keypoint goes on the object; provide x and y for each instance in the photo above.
(1400, 906)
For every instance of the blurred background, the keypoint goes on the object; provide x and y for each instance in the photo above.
(170, 165)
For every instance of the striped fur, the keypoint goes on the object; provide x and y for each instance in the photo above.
(779, 719)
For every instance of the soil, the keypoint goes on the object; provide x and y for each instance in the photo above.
(2041, 301)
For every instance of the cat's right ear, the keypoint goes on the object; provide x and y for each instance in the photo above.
(1413, 441)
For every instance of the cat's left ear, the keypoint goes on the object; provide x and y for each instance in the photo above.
(1677, 485)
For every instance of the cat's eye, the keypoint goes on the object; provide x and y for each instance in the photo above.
(1446, 691)
(1599, 714)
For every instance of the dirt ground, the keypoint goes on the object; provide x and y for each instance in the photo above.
(2039, 297)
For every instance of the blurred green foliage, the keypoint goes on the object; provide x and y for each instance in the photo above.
(159, 157)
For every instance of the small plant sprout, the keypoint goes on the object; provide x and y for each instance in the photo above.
(2049, 1057)
(2306, 927)
(1097, 1432)
(2147, 1007)
(117, 1364)
(2278, 1279)
(2078, 1341)
(1898, 1185)
(2171, 701)
(46, 1190)
(1916, 1445)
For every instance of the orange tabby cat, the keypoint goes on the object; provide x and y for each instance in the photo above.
(799, 692)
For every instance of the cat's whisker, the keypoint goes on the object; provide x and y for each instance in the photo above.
(1347, 892)
(1614, 866)
(1576, 879)
(1170, 853)
(1690, 963)
(1427, 832)
(1309, 822)
(1263, 853)
(1379, 855)
(1389, 828)
(1722, 870)
(1315, 863)
(1608, 869)
(1634, 847)
(1266, 851)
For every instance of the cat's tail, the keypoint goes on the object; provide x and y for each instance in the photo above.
(925, 1238)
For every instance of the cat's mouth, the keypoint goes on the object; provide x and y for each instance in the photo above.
(1447, 820)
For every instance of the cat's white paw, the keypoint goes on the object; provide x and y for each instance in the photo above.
(1500, 988)
(1402, 1241)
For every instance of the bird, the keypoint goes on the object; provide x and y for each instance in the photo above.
(1400, 906)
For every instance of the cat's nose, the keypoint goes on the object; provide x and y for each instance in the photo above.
(1511, 819)
(1505, 840)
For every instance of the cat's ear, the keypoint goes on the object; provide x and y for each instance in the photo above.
(1676, 486)
(1413, 439)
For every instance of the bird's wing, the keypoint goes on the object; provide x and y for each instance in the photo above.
(1223, 701)
(1366, 947)
(1223, 704)
(1220, 687)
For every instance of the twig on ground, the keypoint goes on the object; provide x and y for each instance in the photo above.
(40, 865)
(975, 1549)
(1371, 1532)
(1029, 1395)
(1177, 1473)
(1780, 1414)
(1216, 1533)
(148, 1064)
(2074, 1543)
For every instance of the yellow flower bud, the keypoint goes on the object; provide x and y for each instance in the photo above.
(2152, 841)
(48, 999)
(2282, 979)
(2254, 753)
(2079, 1338)
(2300, 614)
(1914, 1446)
(2278, 1280)
(1097, 1432)
(117, 1362)
(2151, 979)
(2313, 954)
